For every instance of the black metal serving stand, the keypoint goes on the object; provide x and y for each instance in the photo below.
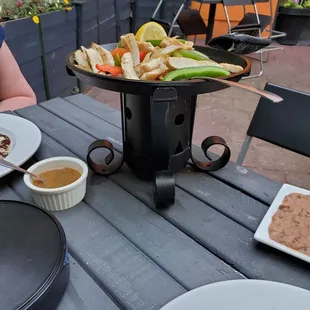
(157, 125)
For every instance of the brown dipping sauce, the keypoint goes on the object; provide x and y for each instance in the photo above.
(57, 178)
(290, 225)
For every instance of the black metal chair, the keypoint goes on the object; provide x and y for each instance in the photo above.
(286, 124)
(191, 22)
(254, 24)
(169, 26)
(251, 23)
(183, 21)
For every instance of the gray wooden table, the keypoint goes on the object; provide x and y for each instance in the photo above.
(125, 254)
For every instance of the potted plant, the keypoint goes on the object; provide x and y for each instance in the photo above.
(294, 19)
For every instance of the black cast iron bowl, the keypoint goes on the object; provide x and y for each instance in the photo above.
(34, 264)
(193, 87)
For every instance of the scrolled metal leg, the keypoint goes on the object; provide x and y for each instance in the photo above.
(111, 165)
(164, 188)
(215, 164)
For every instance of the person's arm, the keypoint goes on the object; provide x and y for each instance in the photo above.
(15, 92)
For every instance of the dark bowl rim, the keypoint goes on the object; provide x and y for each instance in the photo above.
(179, 83)
(45, 287)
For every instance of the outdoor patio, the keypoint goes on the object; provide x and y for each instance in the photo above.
(228, 113)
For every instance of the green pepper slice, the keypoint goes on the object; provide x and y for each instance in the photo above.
(187, 73)
(193, 54)
(157, 42)
(154, 42)
(177, 54)
(117, 60)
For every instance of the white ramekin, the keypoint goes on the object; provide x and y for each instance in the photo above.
(62, 198)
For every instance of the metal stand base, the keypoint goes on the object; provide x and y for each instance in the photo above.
(157, 142)
(164, 189)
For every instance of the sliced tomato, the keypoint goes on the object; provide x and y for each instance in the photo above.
(120, 51)
(115, 71)
(142, 55)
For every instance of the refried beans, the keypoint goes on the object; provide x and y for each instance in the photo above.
(290, 225)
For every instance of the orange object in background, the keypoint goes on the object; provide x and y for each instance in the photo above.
(235, 13)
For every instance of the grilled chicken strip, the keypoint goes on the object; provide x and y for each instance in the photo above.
(128, 67)
(131, 43)
(82, 60)
(165, 51)
(94, 58)
(190, 43)
(231, 68)
(151, 65)
(174, 41)
(146, 47)
(146, 58)
(181, 62)
(140, 68)
(155, 74)
(106, 55)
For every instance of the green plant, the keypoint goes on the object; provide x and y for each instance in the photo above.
(298, 4)
(292, 4)
(32, 8)
(306, 4)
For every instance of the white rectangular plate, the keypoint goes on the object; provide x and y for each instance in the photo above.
(262, 233)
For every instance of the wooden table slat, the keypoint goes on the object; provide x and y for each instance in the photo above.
(239, 207)
(217, 233)
(124, 272)
(229, 201)
(179, 255)
(184, 259)
(83, 293)
(222, 236)
(91, 105)
(84, 120)
(6, 193)
(246, 180)
(61, 131)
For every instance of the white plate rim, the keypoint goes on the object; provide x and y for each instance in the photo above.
(17, 127)
(205, 288)
(262, 234)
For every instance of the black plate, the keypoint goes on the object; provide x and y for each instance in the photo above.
(193, 87)
(34, 269)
